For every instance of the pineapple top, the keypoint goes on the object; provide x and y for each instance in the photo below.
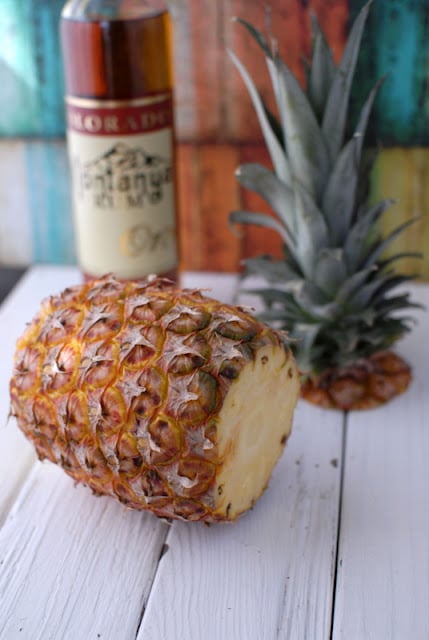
(333, 291)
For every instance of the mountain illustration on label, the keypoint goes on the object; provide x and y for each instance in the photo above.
(124, 177)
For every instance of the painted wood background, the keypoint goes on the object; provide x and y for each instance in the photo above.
(217, 129)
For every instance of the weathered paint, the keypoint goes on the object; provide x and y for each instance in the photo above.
(31, 80)
(395, 45)
(403, 174)
(49, 202)
(216, 125)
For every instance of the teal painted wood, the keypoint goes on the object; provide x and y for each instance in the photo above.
(396, 43)
(49, 202)
(31, 77)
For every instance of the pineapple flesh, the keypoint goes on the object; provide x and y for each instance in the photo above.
(163, 398)
(334, 292)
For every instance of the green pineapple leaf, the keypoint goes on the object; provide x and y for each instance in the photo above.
(352, 285)
(339, 199)
(279, 196)
(321, 71)
(334, 289)
(313, 233)
(256, 35)
(278, 157)
(336, 111)
(304, 142)
(263, 220)
(272, 270)
(355, 246)
(330, 271)
(380, 246)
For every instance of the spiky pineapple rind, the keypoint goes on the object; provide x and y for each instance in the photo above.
(123, 385)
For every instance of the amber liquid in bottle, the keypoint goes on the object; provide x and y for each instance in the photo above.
(120, 129)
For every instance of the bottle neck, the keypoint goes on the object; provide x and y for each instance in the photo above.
(100, 10)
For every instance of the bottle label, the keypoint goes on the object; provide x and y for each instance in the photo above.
(121, 157)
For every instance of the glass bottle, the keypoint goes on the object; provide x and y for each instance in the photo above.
(117, 62)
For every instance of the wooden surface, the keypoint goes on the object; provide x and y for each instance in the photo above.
(216, 125)
(337, 547)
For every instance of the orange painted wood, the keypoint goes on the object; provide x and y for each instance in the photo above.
(190, 231)
(334, 17)
(403, 175)
(216, 125)
(208, 191)
(197, 48)
(219, 194)
(290, 29)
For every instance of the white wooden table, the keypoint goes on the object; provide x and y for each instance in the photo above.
(337, 547)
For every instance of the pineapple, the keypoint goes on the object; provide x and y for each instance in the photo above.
(333, 290)
(162, 398)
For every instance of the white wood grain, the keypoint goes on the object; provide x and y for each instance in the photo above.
(19, 308)
(270, 575)
(15, 218)
(383, 576)
(73, 565)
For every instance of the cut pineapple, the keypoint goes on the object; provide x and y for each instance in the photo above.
(249, 451)
(164, 399)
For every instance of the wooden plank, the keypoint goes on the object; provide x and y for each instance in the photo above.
(270, 575)
(402, 174)
(190, 221)
(207, 192)
(50, 202)
(218, 196)
(183, 59)
(15, 218)
(383, 575)
(206, 51)
(292, 34)
(81, 566)
(36, 224)
(395, 46)
(31, 69)
(16, 311)
(290, 27)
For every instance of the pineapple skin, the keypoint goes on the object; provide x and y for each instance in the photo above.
(131, 388)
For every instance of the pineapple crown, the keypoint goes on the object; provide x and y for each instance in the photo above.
(332, 290)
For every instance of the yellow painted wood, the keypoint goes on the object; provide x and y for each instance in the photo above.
(403, 174)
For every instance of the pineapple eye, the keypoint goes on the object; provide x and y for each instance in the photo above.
(61, 324)
(195, 475)
(152, 385)
(188, 321)
(189, 509)
(106, 291)
(45, 418)
(28, 369)
(185, 363)
(102, 325)
(237, 329)
(192, 398)
(165, 440)
(153, 485)
(151, 310)
(76, 413)
(147, 343)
